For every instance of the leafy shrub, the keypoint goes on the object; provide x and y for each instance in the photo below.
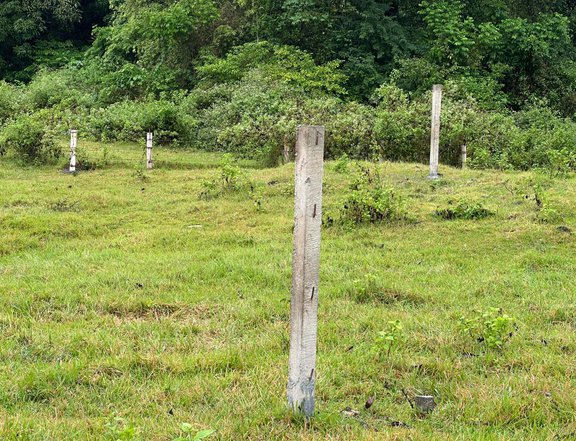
(130, 120)
(55, 89)
(342, 164)
(491, 327)
(281, 64)
(544, 212)
(8, 101)
(368, 201)
(230, 179)
(350, 131)
(30, 140)
(463, 210)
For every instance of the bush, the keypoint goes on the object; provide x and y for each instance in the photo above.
(492, 327)
(30, 140)
(368, 201)
(463, 210)
(130, 120)
(230, 179)
(8, 101)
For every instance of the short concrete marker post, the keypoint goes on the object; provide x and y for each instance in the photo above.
(73, 145)
(149, 143)
(424, 403)
(305, 269)
(435, 132)
(463, 155)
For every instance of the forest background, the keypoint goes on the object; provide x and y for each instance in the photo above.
(240, 75)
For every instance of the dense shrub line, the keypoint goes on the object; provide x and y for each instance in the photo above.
(250, 102)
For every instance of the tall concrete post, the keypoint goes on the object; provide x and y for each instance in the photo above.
(73, 145)
(305, 269)
(435, 132)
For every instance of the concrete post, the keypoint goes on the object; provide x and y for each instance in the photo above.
(435, 135)
(305, 269)
(149, 143)
(73, 145)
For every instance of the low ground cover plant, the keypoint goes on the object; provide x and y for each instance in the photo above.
(492, 327)
(463, 210)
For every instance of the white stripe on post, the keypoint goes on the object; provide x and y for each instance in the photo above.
(149, 162)
(73, 145)
(305, 268)
(435, 135)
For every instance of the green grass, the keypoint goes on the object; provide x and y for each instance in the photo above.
(125, 295)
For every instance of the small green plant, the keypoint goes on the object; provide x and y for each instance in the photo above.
(544, 213)
(118, 429)
(191, 435)
(492, 327)
(210, 189)
(230, 179)
(230, 174)
(140, 174)
(388, 338)
(368, 201)
(257, 197)
(342, 164)
(463, 210)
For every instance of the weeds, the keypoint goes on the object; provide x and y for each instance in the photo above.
(191, 435)
(118, 429)
(492, 327)
(388, 338)
(463, 210)
(230, 179)
(368, 200)
(64, 205)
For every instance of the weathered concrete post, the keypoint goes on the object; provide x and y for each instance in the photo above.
(305, 268)
(463, 155)
(435, 136)
(73, 145)
(149, 141)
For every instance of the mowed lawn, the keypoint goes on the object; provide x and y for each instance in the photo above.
(129, 305)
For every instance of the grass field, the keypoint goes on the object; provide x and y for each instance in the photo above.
(129, 305)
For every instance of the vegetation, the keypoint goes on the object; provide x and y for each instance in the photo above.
(132, 306)
(236, 76)
(153, 305)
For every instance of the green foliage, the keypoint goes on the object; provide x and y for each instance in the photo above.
(453, 34)
(239, 76)
(342, 164)
(9, 97)
(388, 339)
(492, 327)
(130, 120)
(463, 210)
(39, 34)
(368, 200)
(230, 179)
(151, 48)
(252, 102)
(192, 435)
(118, 429)
(279, 64)
(29, 140)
